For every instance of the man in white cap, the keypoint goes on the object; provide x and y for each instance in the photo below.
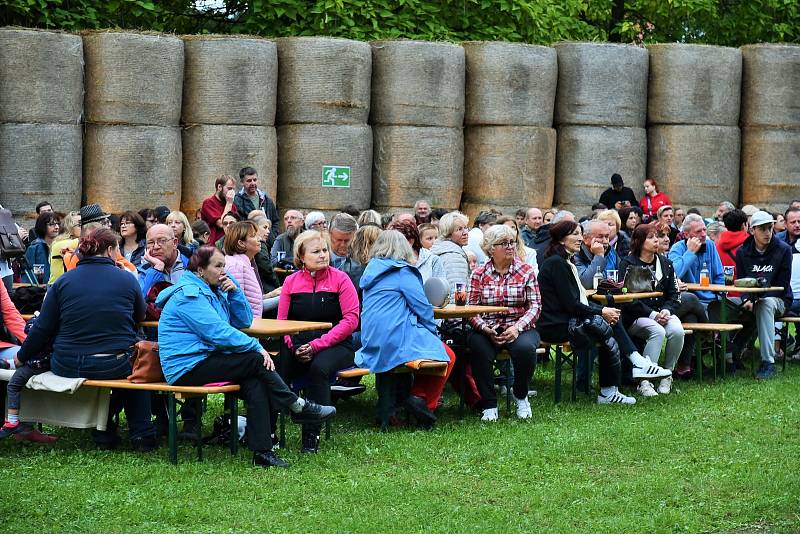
(764, 256)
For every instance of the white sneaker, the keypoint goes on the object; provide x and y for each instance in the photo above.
(646, 389)
(615, 398)
(489, 414)
(665, 386)
(523, 408)
(644, 368)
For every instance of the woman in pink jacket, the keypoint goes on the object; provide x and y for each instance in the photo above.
(241, 245)
(318, 292)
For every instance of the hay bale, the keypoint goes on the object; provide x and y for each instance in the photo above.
(518, 161)
(601, 84)
(41, 77)
(229, 81)
(40, 162)
(417, 83)
(510, 84)
(695, 165)
(303, 152)
(771, 85)
(413, 162)
(770, 167)
(694, 84)
(133, 78)
(132, 167)
(587, 156)
(212, 150)
(323, 80)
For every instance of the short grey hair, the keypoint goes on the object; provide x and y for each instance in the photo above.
(561, 215)
(313, 218)
(392, 244)
(494, 234)
(449, 221)
(727, 205)
(344, 223)
(714, 229)
(691, 218)
(589, 226)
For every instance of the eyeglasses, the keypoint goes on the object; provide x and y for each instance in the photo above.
(506, 244)
(53, 224)
(125, 223)
(160, 242)
(320, 224)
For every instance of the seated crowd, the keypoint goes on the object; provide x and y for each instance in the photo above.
(367, 274)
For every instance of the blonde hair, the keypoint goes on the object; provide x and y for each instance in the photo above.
(300, 244)
(448, 223)
(392, 244)
(362, 242)
(369, 216)
(494, 234)
(70, 221)
(187, 236)
(610, 215)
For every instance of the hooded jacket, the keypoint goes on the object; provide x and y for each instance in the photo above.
(727, 244)
(10, 319)
(197, 320)
(430, 265)
(454, 261)
(774, 264)
(240, 267)
(397, 323)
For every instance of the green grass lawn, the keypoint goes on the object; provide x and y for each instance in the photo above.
(721, 457)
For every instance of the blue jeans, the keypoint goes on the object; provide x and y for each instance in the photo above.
(18, 382)
(110, 367)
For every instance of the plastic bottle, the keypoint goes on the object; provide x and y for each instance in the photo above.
(704, 278)
(598, 277)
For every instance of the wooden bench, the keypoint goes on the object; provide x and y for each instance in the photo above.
(712, 328)
(174, 394)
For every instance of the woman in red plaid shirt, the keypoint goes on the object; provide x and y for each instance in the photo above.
(504, 281)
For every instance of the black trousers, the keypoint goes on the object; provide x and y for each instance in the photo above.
(263, 390)
(608, 363)
(318, 372)
(483, 353)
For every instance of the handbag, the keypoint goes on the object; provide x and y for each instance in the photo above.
(145, 363)
(609, 287)
(639, 279)
(587, 331)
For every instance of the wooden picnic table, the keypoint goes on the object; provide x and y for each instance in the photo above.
(627, 297)
(451, 311)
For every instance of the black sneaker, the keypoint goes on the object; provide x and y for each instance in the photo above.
(313, 413)
(418, 407)
(268, 459)
(144, 444)
(9, 429)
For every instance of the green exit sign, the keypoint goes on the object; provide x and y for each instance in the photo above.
(335, 176)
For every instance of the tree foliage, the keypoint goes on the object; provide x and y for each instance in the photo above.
(723, 22)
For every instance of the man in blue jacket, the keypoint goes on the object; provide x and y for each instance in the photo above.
(765, 256)
(162, 260)
(689, 255)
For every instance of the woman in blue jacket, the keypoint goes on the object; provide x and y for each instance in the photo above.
(47, 228)
(199, 343)
(397, 324)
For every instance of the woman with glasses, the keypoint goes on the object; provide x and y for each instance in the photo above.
(504, 280)
(48, 226)
(315, 220)
(132, 230)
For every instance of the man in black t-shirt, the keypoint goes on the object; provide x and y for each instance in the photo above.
(618, 196)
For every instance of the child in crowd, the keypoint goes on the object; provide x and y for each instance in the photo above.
(428, 233)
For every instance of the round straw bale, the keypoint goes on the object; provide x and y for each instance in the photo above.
(601, 84)
(323, 80)
(212, 150)
(413, 162)
(770, 167)
(131, 167)
(509, 166)
(694, 84)
(230, 81)
(133, 78)
(304, 150)
(41, 77)
(40, 162)
(510, 84)
(695, 165)
(587, 156)
(771, 85)
(417, 83)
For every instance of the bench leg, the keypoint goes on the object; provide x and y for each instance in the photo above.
(559, 364)
(172, 439)
(282, 433)
(199, 405)
(327, 429)
(385, 386)
(233, 410)
(698, 352)
(574, 395)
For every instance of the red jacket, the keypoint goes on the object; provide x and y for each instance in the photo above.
(727, 245)
(211, 211)
(650, 205)
(330, 297)
(13, 321)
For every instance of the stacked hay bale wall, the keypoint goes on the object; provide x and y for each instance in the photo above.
(41, 107)
(229, 97)
(770, 125)
(324, 142)
(693, 134)
(132, 155)
(417, 116)
(509, 143)
(601, 109)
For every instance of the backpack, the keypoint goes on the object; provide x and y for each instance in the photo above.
(11, 245)
(28, 299)
(153, 312)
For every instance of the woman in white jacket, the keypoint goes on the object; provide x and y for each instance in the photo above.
(241, 246)
(453, 236)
